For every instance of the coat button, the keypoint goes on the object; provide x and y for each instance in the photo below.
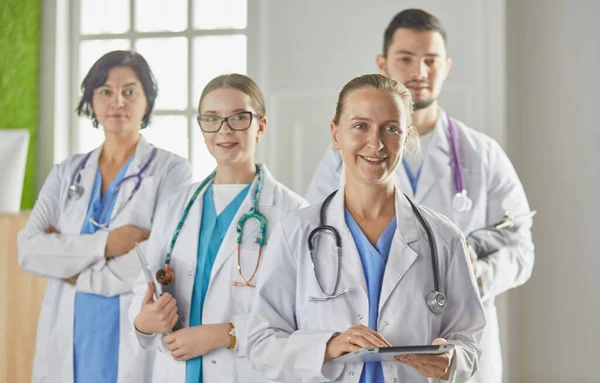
(190, 273)
(351, 373)
(386, 323)
(213, 361)
(395, 380)
(359, 317)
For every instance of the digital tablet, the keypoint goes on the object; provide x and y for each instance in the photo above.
(386, 354)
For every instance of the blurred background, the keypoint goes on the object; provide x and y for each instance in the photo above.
(526, 72)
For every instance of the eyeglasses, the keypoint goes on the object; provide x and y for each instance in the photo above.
(211, 123)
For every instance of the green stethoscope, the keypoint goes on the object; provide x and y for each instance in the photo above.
(166, 275)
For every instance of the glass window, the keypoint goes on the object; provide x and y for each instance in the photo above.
(223, 14)
(161, 15)
(168, 59)
(105, 16)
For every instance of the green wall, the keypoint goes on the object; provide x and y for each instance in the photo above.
(19, 77)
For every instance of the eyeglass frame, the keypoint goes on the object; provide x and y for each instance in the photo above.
(226, 120)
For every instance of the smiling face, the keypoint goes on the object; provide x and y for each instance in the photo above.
(120, 103)
(232, 147)
(371, 134)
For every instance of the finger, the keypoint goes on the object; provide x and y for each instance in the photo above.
(171, 314)
(378, 336)
(149, 297)
(173, 321)
(178, 353)
(163, 301)
(182, 358)
(169, 339)
(372, 337)
(438, 341)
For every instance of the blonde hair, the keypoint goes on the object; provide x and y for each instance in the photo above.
(239, 82)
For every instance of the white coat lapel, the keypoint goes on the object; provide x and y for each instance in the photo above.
(438, 160)
(76, 209)
(251, 228)
(351, 262)
(401, 256)
(142, 154)
(185, 252)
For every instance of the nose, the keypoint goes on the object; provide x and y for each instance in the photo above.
(225, 128)
(419, 70)
(374, 139)
(118, 100)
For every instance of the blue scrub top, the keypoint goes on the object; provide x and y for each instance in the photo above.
(373, 261)
(96, 322)
(212, 232)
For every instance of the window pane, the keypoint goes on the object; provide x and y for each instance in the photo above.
(169, 133)
(106, 16)
(160, 15)
(202, 161)
(222, 14)
(168, 59)
(91, 50)
(88, 137)
(216, 55)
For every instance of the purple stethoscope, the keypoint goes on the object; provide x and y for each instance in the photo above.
(76, 190)
(460, 201)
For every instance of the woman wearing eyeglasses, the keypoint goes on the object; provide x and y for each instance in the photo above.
(207, 246)
(92, 210)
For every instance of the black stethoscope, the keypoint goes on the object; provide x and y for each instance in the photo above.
(436, 300)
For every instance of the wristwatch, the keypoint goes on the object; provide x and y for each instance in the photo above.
(232, 338)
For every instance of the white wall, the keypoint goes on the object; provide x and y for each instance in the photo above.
(553, 83)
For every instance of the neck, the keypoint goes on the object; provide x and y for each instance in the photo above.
(119, 148)
(235, 173)
(370, 201)
(424, 119)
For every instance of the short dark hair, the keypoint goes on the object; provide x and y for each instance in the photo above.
(416, 19)
(98, 74)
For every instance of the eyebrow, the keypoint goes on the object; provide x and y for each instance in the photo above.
(124, 86)
(405, 52)
(359, 118)
(232, 112)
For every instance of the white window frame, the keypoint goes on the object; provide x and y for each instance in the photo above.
(58, 131)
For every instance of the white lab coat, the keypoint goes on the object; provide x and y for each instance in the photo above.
(67, 253)
(288, 333)
(224, 302)
(494, 187)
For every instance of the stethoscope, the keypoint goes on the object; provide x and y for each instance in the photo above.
(460, 201)
(76, 189)
(436, 300)
(166, 275)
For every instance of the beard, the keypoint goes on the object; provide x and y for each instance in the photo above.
(417, 105)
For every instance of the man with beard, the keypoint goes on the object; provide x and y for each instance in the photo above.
(458, 172)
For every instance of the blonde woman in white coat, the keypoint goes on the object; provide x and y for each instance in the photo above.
(209, 241)
(91, 211)
(372, 288)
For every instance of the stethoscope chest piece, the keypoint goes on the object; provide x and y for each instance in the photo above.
(75, 191)
(436, 302)
(461, 202)
(165, 275)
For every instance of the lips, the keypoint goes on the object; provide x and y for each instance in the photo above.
(227, 145)
(374, 160)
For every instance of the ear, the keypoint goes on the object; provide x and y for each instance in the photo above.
(380, 61)
(262, 128)
(448, 66)
(334, 136)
